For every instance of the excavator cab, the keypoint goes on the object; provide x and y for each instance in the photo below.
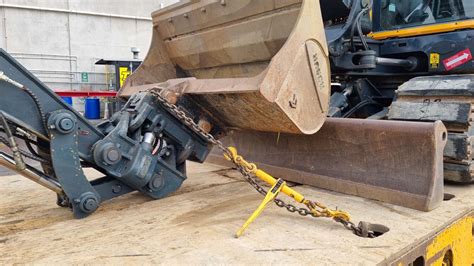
(391, 16)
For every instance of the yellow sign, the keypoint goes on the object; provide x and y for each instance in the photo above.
(124, 73)
(434, 60)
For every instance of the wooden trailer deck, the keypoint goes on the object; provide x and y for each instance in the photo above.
(196, 225)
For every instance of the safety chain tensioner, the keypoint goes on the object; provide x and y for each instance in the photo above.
(317, 209)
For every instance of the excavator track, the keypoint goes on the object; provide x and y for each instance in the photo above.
(449, 99)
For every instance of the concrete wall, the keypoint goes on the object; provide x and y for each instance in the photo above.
(59, 39)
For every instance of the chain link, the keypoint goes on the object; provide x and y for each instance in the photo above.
(188, 121)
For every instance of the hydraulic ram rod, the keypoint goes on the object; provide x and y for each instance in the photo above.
(31, 173)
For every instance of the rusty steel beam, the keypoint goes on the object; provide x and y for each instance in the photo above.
(395, 162)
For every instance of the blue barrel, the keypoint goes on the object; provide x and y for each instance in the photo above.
(92, 108)
(68, 100)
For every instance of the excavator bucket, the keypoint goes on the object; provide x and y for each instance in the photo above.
(255, 64)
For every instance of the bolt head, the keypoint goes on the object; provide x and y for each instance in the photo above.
(116, 189)
(66, 124)
(90, 205)
(88, 202)
(157, 182)
(113, 155)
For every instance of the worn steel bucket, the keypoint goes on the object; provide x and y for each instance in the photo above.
(395, 162)
(260, 65)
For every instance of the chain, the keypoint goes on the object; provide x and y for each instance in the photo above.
(188, 121)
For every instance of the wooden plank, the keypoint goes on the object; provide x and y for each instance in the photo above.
(453, 85)
(456, 116)
(424, 99)
(458, 147)
(460, 173)
(196, 225)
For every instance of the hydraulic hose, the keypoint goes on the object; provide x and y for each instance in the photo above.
(20, 164)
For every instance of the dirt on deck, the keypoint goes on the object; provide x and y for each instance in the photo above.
(196, 225)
